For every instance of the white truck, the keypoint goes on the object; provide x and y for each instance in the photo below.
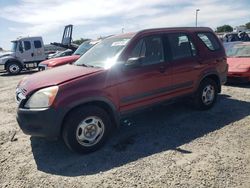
(26, 53)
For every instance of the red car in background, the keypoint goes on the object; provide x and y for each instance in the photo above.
(238, 59)
(54, 62)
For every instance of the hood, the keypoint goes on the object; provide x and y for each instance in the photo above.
(5, 54)
(55, 76)
(60, 61)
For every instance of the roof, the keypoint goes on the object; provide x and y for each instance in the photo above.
(189, 29)
(178, 28)
(28, 37)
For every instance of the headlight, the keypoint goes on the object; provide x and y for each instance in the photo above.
(42, 98)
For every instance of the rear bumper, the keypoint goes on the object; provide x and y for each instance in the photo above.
(223, 79)
(41, 123)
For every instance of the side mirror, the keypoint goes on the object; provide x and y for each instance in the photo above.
(133, 62)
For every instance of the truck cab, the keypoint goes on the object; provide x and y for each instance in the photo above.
(26, 53)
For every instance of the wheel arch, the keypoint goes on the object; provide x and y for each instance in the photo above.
(11, 60)
(103, 103)
(215, 77)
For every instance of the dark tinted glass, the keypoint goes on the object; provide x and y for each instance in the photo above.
(150, 49)
(181, 46)
(27, 45)
(37, 44)
(209, 40)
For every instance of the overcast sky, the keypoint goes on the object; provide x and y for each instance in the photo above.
(94, 18)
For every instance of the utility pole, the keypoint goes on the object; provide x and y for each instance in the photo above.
(196, 17)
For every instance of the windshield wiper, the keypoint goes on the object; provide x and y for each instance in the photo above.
(83, 65)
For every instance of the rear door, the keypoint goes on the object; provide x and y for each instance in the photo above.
(184, 62)
(148, 83)
(39, 53)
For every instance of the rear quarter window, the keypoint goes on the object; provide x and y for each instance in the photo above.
(37, 44)
(209, 40)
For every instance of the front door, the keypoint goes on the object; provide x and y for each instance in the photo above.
(25, 51)
(148, 82)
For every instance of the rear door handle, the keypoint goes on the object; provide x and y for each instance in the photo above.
(199, 66)
(32, 54)
(162, 69)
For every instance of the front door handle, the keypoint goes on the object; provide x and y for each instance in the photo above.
(32, 54)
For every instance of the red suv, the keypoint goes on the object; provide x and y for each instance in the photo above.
(85, 101)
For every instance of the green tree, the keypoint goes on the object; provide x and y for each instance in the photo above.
(80, 41)
(224, 28)
(248, 25)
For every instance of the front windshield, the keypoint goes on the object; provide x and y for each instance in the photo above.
(240, 50)
(84, 47)
(14, 46)
(104, 54)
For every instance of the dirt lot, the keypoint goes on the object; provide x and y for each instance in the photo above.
(169, 146)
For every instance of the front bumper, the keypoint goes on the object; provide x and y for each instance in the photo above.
(42, 67)
(238, 74)
(2, 67)
(238, 77)
(41, 122)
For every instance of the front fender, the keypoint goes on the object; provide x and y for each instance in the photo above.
(68, 104)
(4, 60)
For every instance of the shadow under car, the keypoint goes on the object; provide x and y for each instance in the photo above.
(153, 131)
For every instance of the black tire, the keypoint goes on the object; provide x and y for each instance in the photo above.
(72, 128)
(199, 99)
(14, 68)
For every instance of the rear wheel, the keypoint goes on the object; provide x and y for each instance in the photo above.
(206, 95)
(14, 68)
(86, 129)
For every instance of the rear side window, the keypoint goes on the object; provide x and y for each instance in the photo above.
(151, 49)
(27, 45)
(210, 41)
(37, 44)
(181, 46)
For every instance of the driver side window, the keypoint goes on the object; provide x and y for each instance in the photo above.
(20, 46)
(150, 50)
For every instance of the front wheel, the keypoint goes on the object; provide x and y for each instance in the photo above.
(206, 95)
(86, 129)
(14, 68)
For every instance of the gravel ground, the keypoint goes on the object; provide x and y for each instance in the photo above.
(168, 146)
